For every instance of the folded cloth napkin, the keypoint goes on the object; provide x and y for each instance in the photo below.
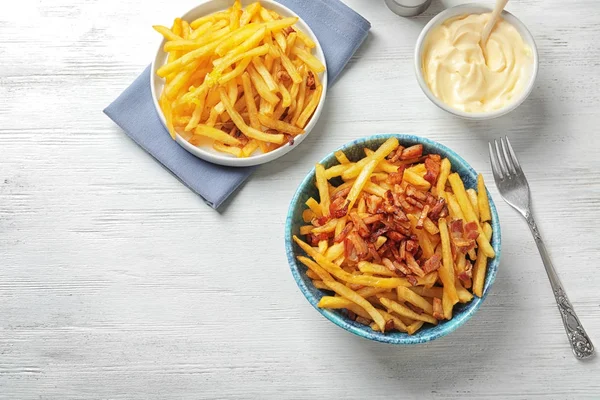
(340, 31)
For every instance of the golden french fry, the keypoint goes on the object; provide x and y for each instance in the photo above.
(342, 302)
(239, 122)
(222, 147)
(427, 292)
(483, 203)
(472, 195)
(341, 157)
(355, 298)
(321, 182)
(375, 269)
(310, 108)
(446, 271)
(408, 295)
(311, 61)
(166, 32)
(261, 87)
(401, 310)
(216, 134)
(314, 207)
(280, 126)
(334, 251)
(465, 205)
(386, 148)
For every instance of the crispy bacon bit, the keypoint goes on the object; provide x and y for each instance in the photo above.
(351, 315)
(411, 246)
(415, 151)
(433, 164)
(422, 217)
(464, 277)
(395, 178)
(457, 227)
(436, 211)
(413, 266)
(389, 325)
(288, 30)
(283, 76)
(342, 235)
(310, 81)
(413, 192)
(414, 202)
(471, 231)
(402, 251)
(373, 203)
(432, 264)
(397, 154)
(419, 254)
(320, 221)
(360, 246)
(379, 232)
(412, 280)
(388, 264)
(400, 266)
(438, 311)
(362, 320)
(374, 255)
(372, 219)
(362, 228)
(314, 238)
(395, 236)
(338, 208)
(406, 206)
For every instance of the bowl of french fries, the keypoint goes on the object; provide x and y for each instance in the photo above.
(394, 238)
(238, 83)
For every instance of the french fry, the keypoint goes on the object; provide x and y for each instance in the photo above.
(355, 298)
(166, 32)
(464, 296)
(311, 61)
(386, 148)
(341, 157)
(321, 182)
(239, 122)
(447, 302)
(216, 134)
(261, 87)
(279, 125)
(411, 297)
(443, 177)
(446, 271)
(406, 312)
(415, 326)
(314, 207)
(480, 267)
(375, 269)
(310, 108)
(342, 302)
(483, 203)
(472, 195)
(465, 205)
(334, 251)
(222, 147)
(320, 285)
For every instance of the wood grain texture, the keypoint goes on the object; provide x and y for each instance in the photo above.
(117, 282)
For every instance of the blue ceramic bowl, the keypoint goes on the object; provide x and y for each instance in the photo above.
(307, 189)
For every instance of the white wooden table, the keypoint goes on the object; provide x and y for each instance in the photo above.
(118, 282)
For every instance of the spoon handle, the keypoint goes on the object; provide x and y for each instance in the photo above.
(487, 29)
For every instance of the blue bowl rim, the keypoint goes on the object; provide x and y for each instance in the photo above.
(366, 332)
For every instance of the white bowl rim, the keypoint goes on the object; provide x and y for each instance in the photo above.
(473, 8)
(230, 160)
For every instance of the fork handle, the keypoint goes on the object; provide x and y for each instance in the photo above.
(580, 342)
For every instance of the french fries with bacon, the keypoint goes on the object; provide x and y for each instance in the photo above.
(396, 238)
(243, 80)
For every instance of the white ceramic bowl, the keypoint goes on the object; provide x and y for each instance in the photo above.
(475, 9)
(206, 152)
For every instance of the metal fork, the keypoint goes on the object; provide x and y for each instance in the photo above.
(514, 189)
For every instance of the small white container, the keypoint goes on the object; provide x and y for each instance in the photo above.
(408, 8)
(475, 8)
(206, 152)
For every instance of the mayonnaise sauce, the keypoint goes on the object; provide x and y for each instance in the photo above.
(459, 73)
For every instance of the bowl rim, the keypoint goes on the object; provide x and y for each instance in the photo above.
(471, 8)
(227, 159)
(366, 332)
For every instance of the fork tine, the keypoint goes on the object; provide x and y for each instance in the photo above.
(514, 159)
(501, 160)
(507, 159)
(494, 161)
